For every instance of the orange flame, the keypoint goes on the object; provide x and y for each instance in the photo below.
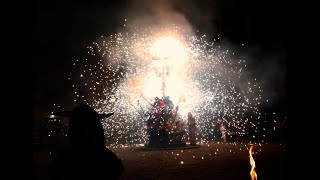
(253, 173)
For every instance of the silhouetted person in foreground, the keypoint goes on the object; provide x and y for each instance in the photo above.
(86, 157)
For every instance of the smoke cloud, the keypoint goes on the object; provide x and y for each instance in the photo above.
(189, 15)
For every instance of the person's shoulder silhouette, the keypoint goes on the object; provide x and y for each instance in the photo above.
(86, 157)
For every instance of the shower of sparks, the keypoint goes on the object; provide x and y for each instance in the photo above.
(124, 72)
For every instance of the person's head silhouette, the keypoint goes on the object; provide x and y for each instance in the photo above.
(87, 157)
(85, 128)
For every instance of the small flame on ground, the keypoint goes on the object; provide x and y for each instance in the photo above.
(253, 173)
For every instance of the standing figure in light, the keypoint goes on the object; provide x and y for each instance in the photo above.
(192, 129)
(223, 131)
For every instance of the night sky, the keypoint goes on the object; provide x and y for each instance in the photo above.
(63, 29)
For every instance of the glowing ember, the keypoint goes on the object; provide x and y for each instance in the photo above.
(253, 173)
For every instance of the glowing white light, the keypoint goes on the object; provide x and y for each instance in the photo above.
(170, 49)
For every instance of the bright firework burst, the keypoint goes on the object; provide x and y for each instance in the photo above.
(134, 68)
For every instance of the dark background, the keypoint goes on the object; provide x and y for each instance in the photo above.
(62, 30)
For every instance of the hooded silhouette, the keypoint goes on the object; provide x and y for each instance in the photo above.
(86, 157)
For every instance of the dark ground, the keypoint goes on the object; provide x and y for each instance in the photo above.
(211, 161)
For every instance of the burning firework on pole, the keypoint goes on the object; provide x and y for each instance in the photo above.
(253, 173)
